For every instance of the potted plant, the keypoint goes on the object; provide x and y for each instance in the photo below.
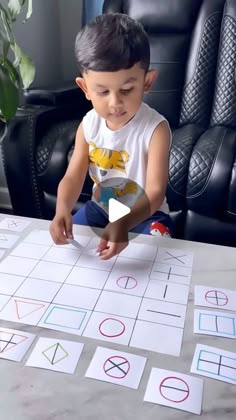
(16, 68)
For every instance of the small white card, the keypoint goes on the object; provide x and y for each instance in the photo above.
(7, 240)
(214, 363)
(57, 355)
(215, 297)
(14, 224)
(14, 344)
(176, 390)
(117, 367)
(157, 337)
(221, 324)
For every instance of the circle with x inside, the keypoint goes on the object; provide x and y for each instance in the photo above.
(116, 367)
(216, 297)
(174, 389)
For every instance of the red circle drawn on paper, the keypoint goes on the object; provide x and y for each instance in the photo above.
(114, 335)
(187, 391)
(218, 295)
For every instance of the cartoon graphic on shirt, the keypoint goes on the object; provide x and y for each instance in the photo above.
(108, 171)
(106, 163)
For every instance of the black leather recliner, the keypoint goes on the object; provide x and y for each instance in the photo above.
(193, 46)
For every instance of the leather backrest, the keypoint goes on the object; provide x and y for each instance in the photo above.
(184, 38)
(224, 107)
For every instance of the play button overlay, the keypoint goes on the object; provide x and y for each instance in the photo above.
(116, 210)
(114, 198)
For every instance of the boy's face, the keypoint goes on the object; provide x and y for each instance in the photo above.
(116, 96)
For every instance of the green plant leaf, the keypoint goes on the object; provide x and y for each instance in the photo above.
(14, 7)
(12, 72)
(26, 66)
(5, 44)
(9, 98)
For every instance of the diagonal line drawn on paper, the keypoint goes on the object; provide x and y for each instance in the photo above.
(114, 363)
(218, 366)
(12, 223)
(23, 309)
(6, 340)
(175, 257)
(55, 353)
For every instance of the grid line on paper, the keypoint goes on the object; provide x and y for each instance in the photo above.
(83, 311)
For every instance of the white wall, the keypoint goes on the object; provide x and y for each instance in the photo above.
(48, 38)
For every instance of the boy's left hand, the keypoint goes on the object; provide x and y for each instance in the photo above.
(114, 240)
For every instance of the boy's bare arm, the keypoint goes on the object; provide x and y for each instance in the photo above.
(69, 190)
(156, 182)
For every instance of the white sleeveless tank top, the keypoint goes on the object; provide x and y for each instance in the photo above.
(118, 159)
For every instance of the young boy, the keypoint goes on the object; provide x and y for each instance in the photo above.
(122, 141)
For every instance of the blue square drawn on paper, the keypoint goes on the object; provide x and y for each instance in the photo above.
(233, 334)
(219, 364)
(84, 313)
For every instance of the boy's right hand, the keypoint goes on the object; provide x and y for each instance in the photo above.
(61, 228)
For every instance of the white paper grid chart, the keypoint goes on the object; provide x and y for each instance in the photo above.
(121, 300)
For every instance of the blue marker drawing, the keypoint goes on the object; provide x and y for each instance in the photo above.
(216, 364)
(82, 315)
(219, 324)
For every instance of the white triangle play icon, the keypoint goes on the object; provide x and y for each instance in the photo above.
(116, 210)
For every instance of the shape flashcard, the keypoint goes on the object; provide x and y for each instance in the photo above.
(171, 273)
(138, 298)
(176, 390)
(14, 224)
(117, 367)
(174, 257)
(214, 363)
(65, 318)
(221, 324)
(14, 344)
(57, 355)
(215, 298)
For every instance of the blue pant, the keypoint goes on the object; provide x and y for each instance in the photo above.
(93, 215)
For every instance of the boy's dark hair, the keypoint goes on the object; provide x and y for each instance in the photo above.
(112, 42)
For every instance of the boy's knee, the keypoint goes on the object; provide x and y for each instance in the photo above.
(158, 229)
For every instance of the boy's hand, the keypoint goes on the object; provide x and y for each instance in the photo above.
(61, 228)
(114, 240)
